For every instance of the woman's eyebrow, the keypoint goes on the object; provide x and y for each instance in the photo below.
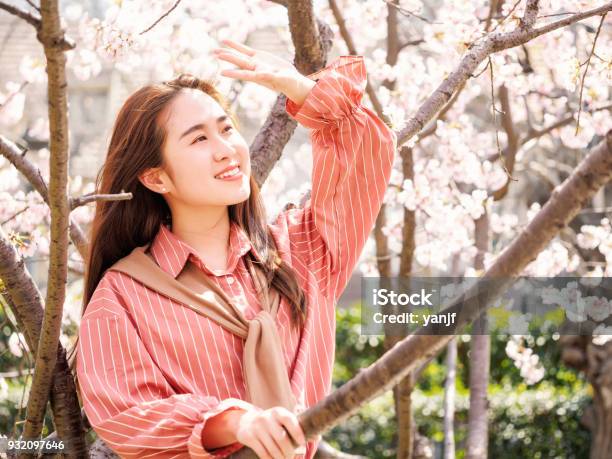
(199, 126)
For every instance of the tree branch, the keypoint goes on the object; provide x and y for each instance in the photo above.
(268, 145)
(310, 53)
(12, 152)
(535, 133)
(512, 147)
(86, 199)
(172, 8)
(23, 14)
(33, 5)
(586, 69)
(65, 43)
(405, 11)
(530, 15)
(50, 35)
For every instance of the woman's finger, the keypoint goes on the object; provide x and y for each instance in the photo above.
(240, 47)
(265, 79)
(244, 63)
(246, 75)
(290, 422)
(260, 449)
(295, 430)
(282, 439)
(272, 448)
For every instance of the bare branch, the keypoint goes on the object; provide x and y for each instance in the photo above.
(64, 43)
(86, 199)
(13, 153)
(33, 5)
(530, 15)
(416, 41)
(509, 154)
(15, 215)
(405, 11)
(494, 111)
(161, 17)
(16, 11)
(588, 62)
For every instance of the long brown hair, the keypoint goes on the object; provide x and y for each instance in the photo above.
(120, 226)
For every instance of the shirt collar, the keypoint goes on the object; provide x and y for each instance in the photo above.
(171, 253)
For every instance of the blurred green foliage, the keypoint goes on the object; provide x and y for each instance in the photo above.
(538, 421)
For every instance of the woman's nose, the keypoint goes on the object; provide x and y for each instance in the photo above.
(223, 148)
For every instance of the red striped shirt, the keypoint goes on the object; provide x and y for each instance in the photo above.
(152, 371)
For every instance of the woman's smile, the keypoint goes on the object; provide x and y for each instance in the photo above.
(231, 174)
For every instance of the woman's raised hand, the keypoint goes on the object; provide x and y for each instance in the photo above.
(266, 69)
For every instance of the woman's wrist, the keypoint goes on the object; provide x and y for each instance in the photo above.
(220, 430)
(298, 88)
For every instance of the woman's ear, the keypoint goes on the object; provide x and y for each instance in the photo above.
(154, 180)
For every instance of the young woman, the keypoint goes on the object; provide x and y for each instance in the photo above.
(157, 379)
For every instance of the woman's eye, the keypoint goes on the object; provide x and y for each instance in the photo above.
(225, 129)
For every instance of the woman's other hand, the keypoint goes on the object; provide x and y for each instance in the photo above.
(264, 432)
(266, 69)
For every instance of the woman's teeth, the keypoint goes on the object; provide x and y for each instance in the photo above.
(229, 173)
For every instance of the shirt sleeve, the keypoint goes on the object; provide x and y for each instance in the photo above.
(353, 152)
(129, 403)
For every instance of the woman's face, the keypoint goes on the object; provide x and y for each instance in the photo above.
(207, 160)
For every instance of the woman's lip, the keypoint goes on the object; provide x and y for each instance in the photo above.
(236, 176)
(227, 169)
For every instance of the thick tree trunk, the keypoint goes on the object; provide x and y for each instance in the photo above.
(50, 35)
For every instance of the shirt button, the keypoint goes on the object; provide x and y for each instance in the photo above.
(230, 279)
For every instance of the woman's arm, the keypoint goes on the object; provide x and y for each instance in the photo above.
(127, 399)
(353, 153)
